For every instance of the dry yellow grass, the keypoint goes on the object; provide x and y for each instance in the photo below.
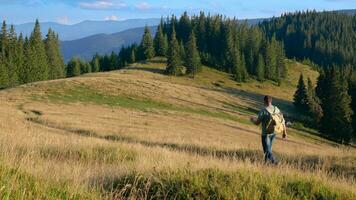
(159, 123)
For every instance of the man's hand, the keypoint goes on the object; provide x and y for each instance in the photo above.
(253, 119)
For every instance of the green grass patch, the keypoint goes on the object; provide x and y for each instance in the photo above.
(96, 154)
(217, 184)
(88, 95)
(15, 184)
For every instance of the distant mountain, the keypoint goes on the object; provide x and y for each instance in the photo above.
(348, 11)
(102, 43)
(87, 28)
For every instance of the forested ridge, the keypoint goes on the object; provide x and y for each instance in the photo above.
(325, 38)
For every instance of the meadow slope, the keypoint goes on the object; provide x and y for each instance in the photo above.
(138, 134)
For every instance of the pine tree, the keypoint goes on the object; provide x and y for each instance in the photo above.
(12, 57)
(20, 58)
(301, 97)
(260, 68)
(4, 43)
(133, 56)
(95, 63)
(54, 57)
(73, 67)
(182, 52)
(4, 79)
(174, 58)
(160, 42)
(314, 107)
(147, 45)
(39, 69)
(337, 119)
(192, 61)
(113, 61)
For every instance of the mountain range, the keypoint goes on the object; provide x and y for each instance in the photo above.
(87, 28)
(86, 47)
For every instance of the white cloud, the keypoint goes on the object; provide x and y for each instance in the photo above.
(63, 20)
(102, 4)
(111, 18)
(143, 6)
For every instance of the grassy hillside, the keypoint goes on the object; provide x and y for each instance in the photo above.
(138, 134)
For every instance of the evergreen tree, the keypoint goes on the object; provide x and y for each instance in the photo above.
(182, 52)
(260, 68)
(4, 79)
(192, 61)
(54, 57)
(174, 58)
(147, 45)
(133, 56)
(301, 97)
(20, 58)
(39, 68)
(11, 57)
(160, 42)
(337, 119)
(73, 67)
(95, 63)
(314, 107)
(113, 61)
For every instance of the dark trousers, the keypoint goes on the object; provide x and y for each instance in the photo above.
(267, 141)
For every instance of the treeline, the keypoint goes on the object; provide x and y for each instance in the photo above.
(331, 104)
(216, 41)
(230, 46)
(325, 38)
(29, 59)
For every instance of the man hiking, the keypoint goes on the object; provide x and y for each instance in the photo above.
(272, 122)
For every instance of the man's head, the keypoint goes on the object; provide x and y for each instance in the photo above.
(267, 100)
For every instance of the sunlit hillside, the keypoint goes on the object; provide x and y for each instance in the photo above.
(139, 134)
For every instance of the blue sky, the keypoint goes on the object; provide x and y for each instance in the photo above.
(74, 11)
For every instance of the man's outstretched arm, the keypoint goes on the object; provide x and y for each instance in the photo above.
(255, 120)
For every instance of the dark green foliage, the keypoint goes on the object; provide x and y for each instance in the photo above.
(54, 57)
(160, 42)
(95, 64)
(325, 38)
(300, 99)
(336, 122)
(174, 62)
(30, 59)
(313, 103)
(74, 67)
(192, 61)
(230, 46)
(39, 65)
(4, 79)
(260, 70)
(147, 45)
(352, 92)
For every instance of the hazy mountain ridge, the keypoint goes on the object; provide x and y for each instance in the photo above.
(102, 43)
(87, 28)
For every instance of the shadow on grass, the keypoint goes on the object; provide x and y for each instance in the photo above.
(344, 166)
(147, 69)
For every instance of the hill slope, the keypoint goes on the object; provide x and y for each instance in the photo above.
(138, 133)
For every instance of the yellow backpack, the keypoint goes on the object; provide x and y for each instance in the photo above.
(275, 123)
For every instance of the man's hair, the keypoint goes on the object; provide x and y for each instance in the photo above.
(267, 99)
